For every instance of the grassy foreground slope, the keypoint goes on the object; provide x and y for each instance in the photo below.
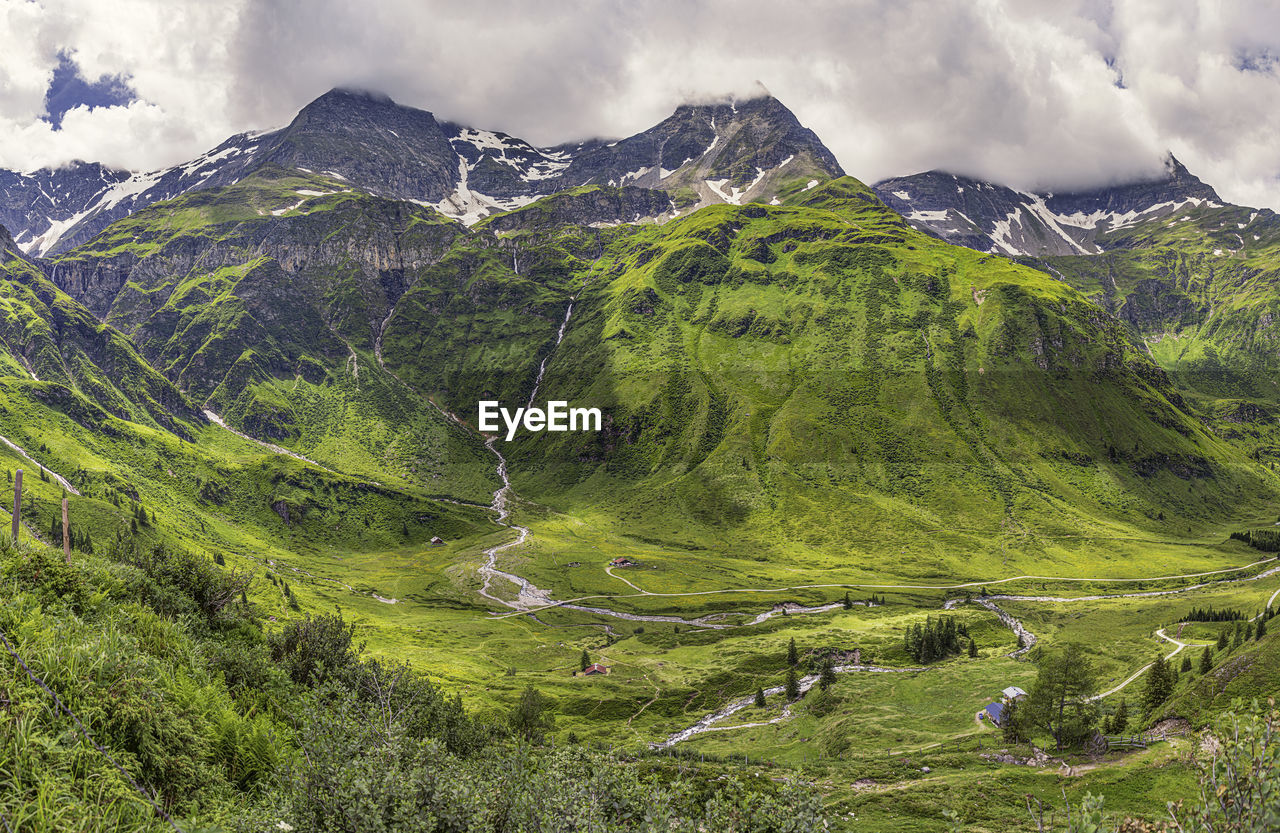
(175, 706)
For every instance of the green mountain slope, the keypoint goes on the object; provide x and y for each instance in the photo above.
(1201, 293)
(805, 380)
(818, 375)
(264, 302)
(57, 344)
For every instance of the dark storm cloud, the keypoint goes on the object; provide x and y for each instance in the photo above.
(1060, 95)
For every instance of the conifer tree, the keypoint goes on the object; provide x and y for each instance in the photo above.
(1013, 724)
(848, 603)
(584, 661)
(793, 685)
(827, 677)
(1159, 685)
(1120, 720)
(793, 656)
(1206, 660)
(760, 701)
(973, 647)
(1261, 630)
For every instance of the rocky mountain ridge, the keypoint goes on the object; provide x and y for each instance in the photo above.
(994, 218)
(703, 154)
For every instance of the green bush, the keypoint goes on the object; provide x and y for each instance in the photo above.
(317, 649)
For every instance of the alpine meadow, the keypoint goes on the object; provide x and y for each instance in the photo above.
(419, 478)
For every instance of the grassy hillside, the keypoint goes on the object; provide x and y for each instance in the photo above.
(819, 377)
(1201, 292)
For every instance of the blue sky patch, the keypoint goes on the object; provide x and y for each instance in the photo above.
(69, 89)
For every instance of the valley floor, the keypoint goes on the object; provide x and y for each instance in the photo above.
(892, 741)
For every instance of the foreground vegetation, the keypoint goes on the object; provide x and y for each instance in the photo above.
(166, 699)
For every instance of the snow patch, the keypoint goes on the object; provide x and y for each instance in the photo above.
(528, 162)
(633, 176)
(1038, 208)
(470, 207)
(44, 242)
(131, 187)
(208, 159)
(929, 216)
(1000, 234)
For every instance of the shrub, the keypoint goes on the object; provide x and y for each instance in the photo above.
(317, 649)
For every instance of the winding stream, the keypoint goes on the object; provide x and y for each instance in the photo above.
(531, 599)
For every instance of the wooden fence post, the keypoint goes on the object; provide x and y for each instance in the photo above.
(17, 503)
(66, 532)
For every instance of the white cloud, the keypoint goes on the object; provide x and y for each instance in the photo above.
(1021, 92)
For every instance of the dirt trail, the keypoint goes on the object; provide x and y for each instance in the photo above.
(612, 574)
(1160, 633)
(272, 447)
(961, 586)
(62, 481)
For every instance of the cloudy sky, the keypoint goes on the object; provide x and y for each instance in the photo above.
(1058, 94)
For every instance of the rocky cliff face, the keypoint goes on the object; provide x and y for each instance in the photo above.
(41, 204)
(727, 147)
(369, 140)
(590, 206)
(312, 284)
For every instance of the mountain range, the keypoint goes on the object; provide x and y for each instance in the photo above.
(702, 154)
(765, 332)
(994, 218)
(270, 357)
